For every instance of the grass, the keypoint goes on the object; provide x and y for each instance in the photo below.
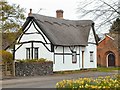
(70, 71)
(98, 69)
(109, 69)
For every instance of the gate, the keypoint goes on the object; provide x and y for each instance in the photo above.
(7, 69)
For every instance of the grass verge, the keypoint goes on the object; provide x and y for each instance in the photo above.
(98, 69)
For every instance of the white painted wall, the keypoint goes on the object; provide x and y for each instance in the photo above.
(90, 47)
(58, 64)
(67, 65)
(42, 51)
(21, 52)
(91, 37)
(87, 63)
(33, 37)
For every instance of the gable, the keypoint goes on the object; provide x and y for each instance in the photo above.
(91, 38)
(32, 33)
(107, 42)
(105, 39)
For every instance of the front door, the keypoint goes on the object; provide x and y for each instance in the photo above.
(111, 59)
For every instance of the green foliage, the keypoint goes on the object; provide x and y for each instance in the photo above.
(12, 16)
(100, 83)
(33, 60)
(6, 56)
(115, 26)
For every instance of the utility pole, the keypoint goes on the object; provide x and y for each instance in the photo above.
(2, 16)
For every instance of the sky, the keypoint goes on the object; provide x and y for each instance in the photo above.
(49, 7)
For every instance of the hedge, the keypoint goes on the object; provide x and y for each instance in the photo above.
(33, 60)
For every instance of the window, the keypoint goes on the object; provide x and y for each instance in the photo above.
(27, 53)
(35, 53)
(74, 57)
(91, 56)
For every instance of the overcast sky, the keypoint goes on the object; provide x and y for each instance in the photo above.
(49, 7)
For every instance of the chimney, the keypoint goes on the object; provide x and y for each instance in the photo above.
(59, 14)
(30, 13)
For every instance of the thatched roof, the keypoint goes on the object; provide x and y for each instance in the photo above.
(63, 32)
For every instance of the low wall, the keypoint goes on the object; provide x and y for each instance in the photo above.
(33, 68)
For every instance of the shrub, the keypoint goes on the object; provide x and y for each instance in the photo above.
(33, 60)
(107, 82)
(6, 56)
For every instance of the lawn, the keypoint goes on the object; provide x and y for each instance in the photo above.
(98, 69)
(109, 69)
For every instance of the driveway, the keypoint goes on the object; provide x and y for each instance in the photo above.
(48, 81)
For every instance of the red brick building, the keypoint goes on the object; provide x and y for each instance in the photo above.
(107, 51)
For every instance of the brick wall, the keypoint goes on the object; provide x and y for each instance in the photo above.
(105, 47)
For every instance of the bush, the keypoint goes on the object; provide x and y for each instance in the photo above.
(33, 60)
(107, 82)
(6, 56)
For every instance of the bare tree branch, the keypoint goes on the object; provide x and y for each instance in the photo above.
(110, 6)
(102, 12)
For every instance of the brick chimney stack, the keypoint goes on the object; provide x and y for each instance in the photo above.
(59, 14)
(30, 13)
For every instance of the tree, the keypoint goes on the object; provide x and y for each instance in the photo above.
(102, 11)
(6, 56)
(115, 26)
(115, 32)
(11, 16)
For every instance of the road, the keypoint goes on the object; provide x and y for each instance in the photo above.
(48, 81)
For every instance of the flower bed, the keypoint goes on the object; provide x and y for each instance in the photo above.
(110, 83)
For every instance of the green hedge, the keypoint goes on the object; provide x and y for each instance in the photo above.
(33, 60)
(100, 83)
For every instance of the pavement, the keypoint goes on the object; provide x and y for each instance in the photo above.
(48, 81)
